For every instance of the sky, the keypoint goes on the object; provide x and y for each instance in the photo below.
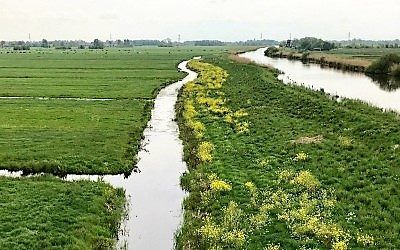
(226, 20)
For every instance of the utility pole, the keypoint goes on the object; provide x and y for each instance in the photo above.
(261, 36)
(349, 36)
(30, 37)
(179, 38)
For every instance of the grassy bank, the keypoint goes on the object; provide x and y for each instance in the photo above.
(45, 213)
(281, 167)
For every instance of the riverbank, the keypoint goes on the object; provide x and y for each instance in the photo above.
(326, 60)
(273, 165)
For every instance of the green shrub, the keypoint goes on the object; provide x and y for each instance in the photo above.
(304, 56)
(384, 64)
(395, 71)
(271, 51)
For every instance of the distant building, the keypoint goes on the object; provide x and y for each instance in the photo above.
(289, 43)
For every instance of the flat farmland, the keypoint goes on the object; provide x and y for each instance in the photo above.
(71, 136)
(56, 130)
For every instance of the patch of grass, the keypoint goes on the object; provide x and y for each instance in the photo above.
(45, 213)
(339, 193)
(66, 136)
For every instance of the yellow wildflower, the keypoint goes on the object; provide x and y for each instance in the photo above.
(341, 245)
(306, 179)
(301, 156)
(219, 186)
(205, 151)
(365, 240)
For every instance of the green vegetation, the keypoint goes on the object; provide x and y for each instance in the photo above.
(282, 167)
(312, 43)
(54, 129)
(63, 136)
(71, 136)
(45, 213)
(363, 53)
(387, 64)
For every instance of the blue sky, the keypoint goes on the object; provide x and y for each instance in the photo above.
(227, 20)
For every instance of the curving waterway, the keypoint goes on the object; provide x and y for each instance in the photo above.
(154, 193)
(382, 93)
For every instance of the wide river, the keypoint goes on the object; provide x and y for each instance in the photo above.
(384, 93)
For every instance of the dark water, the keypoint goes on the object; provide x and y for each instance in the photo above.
(154, 194)
(381, 92)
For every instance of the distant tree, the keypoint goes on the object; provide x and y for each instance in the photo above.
(312, 43)
(2, 43)
(97, 44)
(166, 43)
(21, 47)
(209, 43)
(127, 43)
(81, 46)
(328, 46)
(45, 43)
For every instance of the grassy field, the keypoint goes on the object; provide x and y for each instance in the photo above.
(71, 136)
(370, 54)
(45, 213)
(80, 136)
(281, 167)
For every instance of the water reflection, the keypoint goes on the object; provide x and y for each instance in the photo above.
(383, 93)
(386, 83)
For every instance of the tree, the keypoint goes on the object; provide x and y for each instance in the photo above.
(45, 43)
(2, 43)
(97, 44)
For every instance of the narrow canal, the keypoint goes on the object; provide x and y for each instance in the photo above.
(154, 194)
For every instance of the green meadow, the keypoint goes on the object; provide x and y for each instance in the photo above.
(46, 213)
(63, 136)
(274, 166)
(369, 54)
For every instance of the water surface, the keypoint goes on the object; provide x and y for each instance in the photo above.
(381, 92)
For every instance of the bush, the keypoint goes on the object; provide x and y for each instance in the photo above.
(21, 47)
(304, 56)
(271, 51)
(395, 71)
(384, 64)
